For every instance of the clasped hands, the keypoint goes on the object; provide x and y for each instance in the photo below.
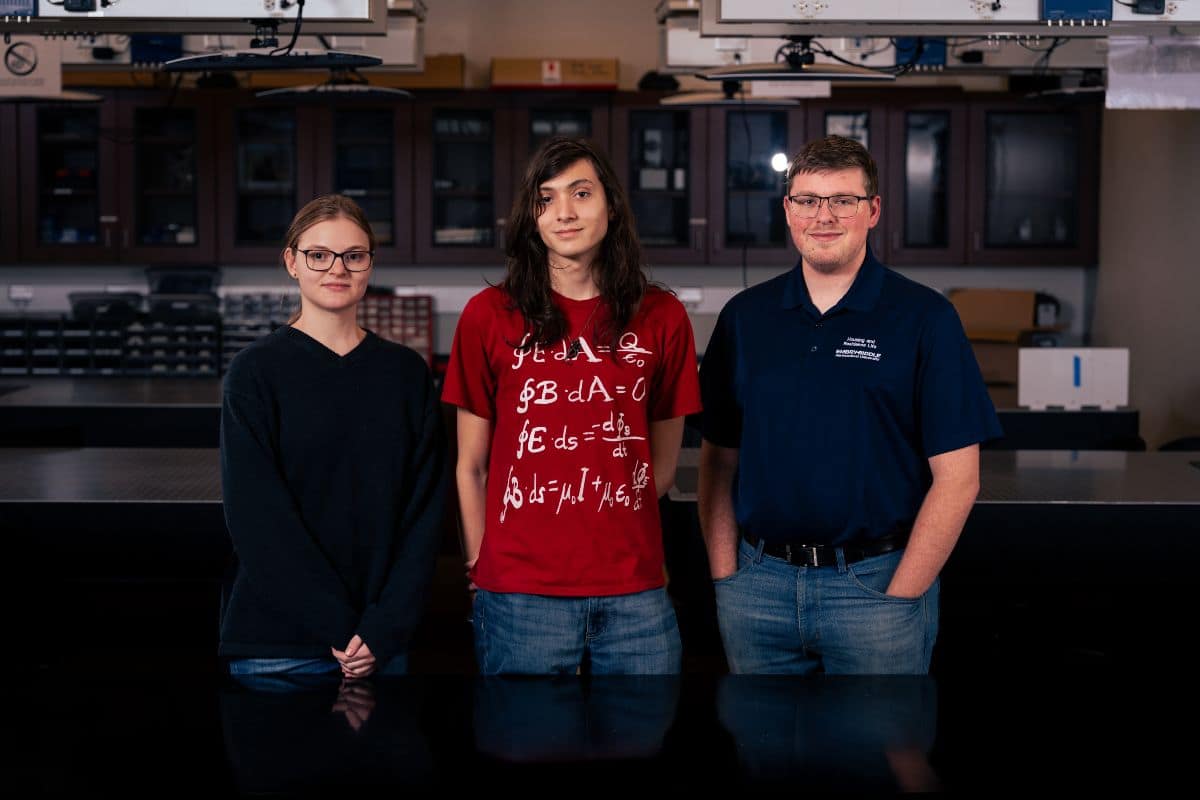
(357, 660)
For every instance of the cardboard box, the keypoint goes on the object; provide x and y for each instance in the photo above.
(999, 322)
(997, 361)
(1003, 395)
(1073, 377)
(995, 315)
(555, 73)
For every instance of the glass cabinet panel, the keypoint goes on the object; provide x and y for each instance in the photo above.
(854, 125)
(926, 178)
(546, 123)
(363, 165)
(165, 176)
(266, 174)
(1032, 180)
(68, 186)
(463, 201)
(659, 182)
(756, 143)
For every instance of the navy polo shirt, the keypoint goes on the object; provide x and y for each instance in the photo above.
(836, 414)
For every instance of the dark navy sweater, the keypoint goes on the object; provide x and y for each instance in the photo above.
(334, 478)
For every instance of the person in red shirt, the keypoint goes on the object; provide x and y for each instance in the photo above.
(571, 379)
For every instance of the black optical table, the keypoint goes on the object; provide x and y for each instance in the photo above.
(1086, 429)
(110, 412)
(703, 734)
(1074, 556)
(186, 412)
(114, 554)
(120, 552)
(1067, 555)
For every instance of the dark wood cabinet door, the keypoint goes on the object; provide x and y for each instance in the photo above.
(364, 151)
(463, 178)
(660, 155)
(1033, 183)
(865, 119)
(747, 149)
(538, 116)
(69, 182)
(925, 195)
(265, 174)
(9, 188)
(168, 181)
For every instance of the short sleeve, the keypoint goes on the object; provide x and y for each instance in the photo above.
(721, 422)
(952, 400)
(678, 387)
(470, 381)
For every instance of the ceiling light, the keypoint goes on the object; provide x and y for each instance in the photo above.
(65, 96)
(247, 60)
(344, 84)
(783, 71)
(731, 94)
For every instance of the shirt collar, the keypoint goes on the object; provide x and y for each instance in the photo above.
(862, 296)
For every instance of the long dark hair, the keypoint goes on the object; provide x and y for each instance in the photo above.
(617, 270)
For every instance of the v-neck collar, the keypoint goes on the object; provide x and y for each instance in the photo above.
(322, 352)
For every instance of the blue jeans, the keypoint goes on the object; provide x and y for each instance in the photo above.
(527, 634)
(288, 674)
(779, 619)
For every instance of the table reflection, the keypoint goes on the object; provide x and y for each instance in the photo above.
(530, 720)
(870, 731)
(314, 733)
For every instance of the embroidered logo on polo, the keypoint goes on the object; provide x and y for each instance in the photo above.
(857, 347)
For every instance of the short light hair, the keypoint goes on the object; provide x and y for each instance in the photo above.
(834, 153)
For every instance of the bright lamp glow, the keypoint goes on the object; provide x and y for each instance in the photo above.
(779, 162)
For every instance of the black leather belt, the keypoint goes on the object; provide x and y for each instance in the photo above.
(825, 555)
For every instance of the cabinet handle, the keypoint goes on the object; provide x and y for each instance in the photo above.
(697, 225)
(501, 224)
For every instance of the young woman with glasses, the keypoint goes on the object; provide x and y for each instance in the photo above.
(333, 472)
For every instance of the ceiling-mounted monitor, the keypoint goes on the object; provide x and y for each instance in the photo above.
(1001, 18)
(326, 17)
(247, 61)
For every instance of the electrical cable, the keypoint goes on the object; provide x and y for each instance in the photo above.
(286, 51)
(746, 193)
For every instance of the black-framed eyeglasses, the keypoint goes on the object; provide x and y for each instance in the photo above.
(842, 206)
(321, 260)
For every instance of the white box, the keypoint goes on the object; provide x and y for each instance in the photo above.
(1073, 377)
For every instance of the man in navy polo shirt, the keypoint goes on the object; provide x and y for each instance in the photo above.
(843, 411)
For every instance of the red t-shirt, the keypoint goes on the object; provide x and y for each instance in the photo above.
(572, 509)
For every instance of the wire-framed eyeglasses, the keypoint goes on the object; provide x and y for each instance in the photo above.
(319, 259)
(842, 206)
